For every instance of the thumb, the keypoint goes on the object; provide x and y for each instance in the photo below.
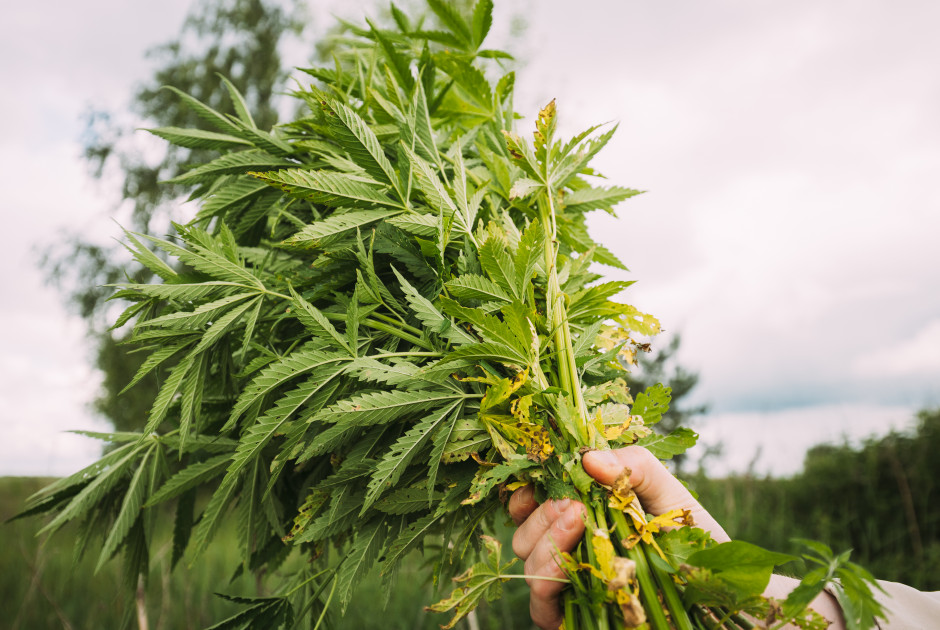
(658, 490)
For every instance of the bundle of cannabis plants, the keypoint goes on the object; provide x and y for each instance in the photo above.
(384, 318)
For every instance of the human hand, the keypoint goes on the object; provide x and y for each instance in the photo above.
(557, 526)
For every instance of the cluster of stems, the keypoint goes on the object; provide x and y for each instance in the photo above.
(658, 591)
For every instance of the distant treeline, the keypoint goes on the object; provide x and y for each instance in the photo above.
(880, 499)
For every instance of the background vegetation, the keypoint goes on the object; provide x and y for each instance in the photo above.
(877, 499)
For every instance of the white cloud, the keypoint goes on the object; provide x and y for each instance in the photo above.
(918, 354)
(789, 152)
(775, 442)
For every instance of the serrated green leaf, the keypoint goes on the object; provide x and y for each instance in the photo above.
(466, 208)
(430, 184)
(329, 188)
(397, 61)
(529, 255)
(433, 319)
(407, 500)
(482, 21)
(423, 128)
(224, 324)
(575, 162)
(252, 160)
(190, 477)
(474, 287)
(267, 612)
(240, 191)
(167, 394)
(211, 517)
(408, 539)
(191, 399)
(198, 139)
(668, 446)
(390, 468)
(105, 479)
(300, 362)
(355, 135)
(185, 291)
(147, 258)
(339, 517)
(206, 113)
(369, 542)
(317, 323)
(482, 581)
(273, 422)
(487, 351)
(154, 360)
(586, 199)
(652, 403)
(488, 478)
(209, 262)
(451, 17)
(312, 235)
(130, 509)
(499, 266)
(383, 407)
(241, 107)
(202, 315)
(491, 329)
(423, 225)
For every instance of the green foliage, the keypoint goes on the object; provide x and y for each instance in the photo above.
(731, 574)
(481, 581)
(240, 40)
(874, 499)
(661, 367)
(314, 344)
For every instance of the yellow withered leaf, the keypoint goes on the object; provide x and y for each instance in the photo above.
(633, 613)
(500, 391)
(520, 406)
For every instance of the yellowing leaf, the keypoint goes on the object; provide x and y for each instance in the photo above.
(519, 408)
(482, 580)
(501, 390)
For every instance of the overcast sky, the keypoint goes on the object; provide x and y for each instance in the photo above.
(790, 150)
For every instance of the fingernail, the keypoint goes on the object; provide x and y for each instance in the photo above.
(562, 505)
(569, 520)
(605, 459)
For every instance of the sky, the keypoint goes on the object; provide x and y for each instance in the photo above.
(789, 152)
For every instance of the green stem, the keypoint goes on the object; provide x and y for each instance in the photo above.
(654, 610)
(558, 323)
(680, 617)
(703, 619)
(380, 326)
(516, 576)
(570, 623)
(394, 330)
(387, 355)
(399, 323)
(742, 621)
(724, 620)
